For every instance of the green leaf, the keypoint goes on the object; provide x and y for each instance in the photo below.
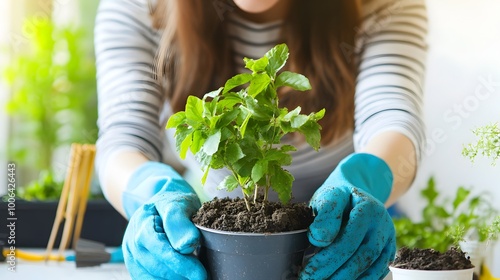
(237, 81)
(244, 167)
(319, 115)
(258, 84)
(293, 80)
(281, 156)
(286, 127)
(229, 184)
(288, 116)
(288, 148)
(281, 183)
(204, 159)
(441, 212)
(185, 146)
(311, 130)
(212, 94)
(176, 119)
(460, 197)
(229, 101)
(181, 133)
(299, 121)
(210, 108)
(430, 192)
(248, 63)
(213, 121)
(258, 65)
(197, 142)
(243, 126)
(259, 170)
(211, 145)
(217, 161)
(234, 152)
(194, 109)
(246, 186)
(205, 175)
(227, 132)
(258, 111)
(475, 202)
(462, 218)
(277, 59)
(227, 118)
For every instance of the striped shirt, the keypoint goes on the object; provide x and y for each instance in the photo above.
(391, 48)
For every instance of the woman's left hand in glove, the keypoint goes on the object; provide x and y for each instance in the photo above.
(352, 227)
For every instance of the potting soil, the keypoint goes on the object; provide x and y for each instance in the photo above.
(430, 259)
(265, 217)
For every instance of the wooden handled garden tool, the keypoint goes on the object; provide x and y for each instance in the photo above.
(74, 195)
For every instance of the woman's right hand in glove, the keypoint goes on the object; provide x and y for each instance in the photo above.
(160, 238)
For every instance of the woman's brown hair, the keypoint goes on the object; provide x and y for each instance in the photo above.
(195, 54)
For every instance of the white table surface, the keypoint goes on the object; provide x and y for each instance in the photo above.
(52, 270)
(68, 271)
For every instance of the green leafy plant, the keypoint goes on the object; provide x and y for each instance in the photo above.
(53, 100)
(241, 129)
(445, 222)
(44, 188)
(487, 145)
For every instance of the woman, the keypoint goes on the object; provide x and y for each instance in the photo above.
(366, 65)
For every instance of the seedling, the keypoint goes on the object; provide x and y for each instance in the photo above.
(488, 143)
(240, 126)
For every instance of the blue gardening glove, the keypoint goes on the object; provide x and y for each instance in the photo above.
(352, 227)
(160, 237)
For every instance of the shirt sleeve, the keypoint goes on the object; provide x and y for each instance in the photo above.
(392, 50)
(129, 97)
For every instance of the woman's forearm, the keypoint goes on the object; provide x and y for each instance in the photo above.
(116, 175)
(399, 153)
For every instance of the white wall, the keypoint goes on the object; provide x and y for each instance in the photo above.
(66, 12)
(462, 93)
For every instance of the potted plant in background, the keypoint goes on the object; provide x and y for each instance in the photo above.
(443, 230)
(429, 264)
(241, 129)
(469, 223)
(53, 104)
(487, 145)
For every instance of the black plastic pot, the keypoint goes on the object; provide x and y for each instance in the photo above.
(35, 219)
(242, 256)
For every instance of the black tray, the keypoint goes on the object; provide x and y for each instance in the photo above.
(35, 219)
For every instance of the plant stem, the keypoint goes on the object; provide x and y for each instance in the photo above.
(268, 182)
(246, 202)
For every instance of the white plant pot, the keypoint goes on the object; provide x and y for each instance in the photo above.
(476, 251)
(412, 274)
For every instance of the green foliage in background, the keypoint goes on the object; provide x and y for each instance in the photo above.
(488, 143)
(45, 188)
(445, 222)
(53, 94)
